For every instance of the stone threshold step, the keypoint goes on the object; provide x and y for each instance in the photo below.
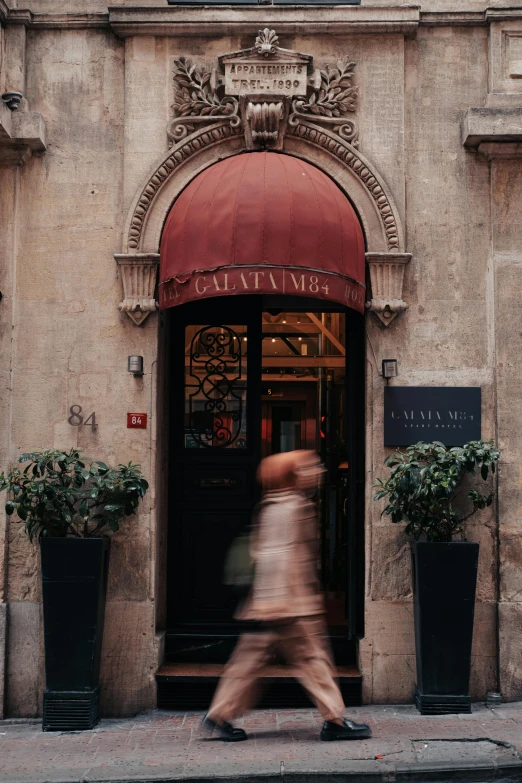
(173, 671)
(190, 686)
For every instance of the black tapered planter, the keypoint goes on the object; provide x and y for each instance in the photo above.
(444, 584)
(74, 586)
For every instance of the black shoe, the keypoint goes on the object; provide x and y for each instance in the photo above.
(227, 732)
(348, 731)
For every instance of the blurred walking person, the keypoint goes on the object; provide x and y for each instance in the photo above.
(286, 602)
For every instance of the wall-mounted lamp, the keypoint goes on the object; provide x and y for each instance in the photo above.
(12, 99)
(135, 365)
(389, 368)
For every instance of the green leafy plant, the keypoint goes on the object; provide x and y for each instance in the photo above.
(424, 483)
(63, 494)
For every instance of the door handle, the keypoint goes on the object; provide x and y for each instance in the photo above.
(344, 507)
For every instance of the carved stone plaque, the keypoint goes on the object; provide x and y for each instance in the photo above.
(275, 77)
(266, 69)
(264, 89)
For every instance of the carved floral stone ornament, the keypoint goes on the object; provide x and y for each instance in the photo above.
(139, 285)
(264, 98)
(264, 89)
(387, 277)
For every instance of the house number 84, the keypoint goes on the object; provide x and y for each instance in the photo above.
(76, 419)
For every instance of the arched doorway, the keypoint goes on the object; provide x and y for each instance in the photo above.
(262, 277)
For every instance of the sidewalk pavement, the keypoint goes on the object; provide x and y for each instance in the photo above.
(283, 744)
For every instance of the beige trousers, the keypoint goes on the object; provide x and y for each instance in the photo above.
(304, 644)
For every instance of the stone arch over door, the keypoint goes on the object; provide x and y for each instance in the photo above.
(343, 163)
(353, 174)
(139, 256)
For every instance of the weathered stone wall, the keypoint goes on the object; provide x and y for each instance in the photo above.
(71, 346)
(506, 193)
(63, 341)
(443, 339)
(9, 181)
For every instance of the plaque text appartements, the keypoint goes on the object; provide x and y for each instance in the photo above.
(266, 69)
(269, 78)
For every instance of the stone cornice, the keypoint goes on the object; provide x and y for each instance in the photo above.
(70, 21)
(506, 14)
(492, 125)
(21, 135)
(20, 16)
(58, 21)
(453, 19)
(469, 18)
(221, 20)
(51, 21)
(216, 20)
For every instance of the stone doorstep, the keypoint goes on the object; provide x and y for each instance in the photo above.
(215, 670)
(191, 685)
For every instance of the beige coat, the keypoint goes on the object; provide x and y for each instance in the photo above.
(284, 548)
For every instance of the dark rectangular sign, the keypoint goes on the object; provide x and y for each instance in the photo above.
(450, 414)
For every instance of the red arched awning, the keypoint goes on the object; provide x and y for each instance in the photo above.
(262, 223)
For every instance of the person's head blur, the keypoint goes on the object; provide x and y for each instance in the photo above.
(309, 471)
(277, 472)
(291, 470)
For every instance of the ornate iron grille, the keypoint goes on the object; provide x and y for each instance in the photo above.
(216, 406)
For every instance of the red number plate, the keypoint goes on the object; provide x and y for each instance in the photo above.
(137, 420)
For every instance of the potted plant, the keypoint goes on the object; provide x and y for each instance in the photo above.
(68, 502)
(424, 489)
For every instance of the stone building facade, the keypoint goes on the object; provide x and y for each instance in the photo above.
(90, 164)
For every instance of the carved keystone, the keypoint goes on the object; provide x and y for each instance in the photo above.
(139, 285)
(387, 277)
(264, 121)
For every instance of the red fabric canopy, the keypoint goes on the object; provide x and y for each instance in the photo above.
(262, 222)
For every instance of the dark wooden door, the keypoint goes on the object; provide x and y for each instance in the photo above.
(216, 442)
(215, 422)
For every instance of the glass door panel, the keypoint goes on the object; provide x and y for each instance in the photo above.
(216, 386)
(303, 388)
(214, 415)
